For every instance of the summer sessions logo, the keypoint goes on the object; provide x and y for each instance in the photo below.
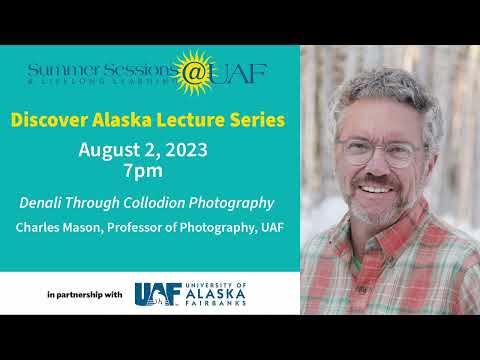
(191, 294)
(190, 73)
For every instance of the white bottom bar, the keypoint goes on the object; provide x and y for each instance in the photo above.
(192, 293)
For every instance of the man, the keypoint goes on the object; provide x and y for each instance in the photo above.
(389, 254)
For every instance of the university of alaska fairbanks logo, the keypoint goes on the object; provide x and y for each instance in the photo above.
(194, 73)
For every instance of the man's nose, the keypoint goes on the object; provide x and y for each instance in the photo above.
(378, 165)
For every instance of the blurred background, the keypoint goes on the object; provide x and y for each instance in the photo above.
(452, 73)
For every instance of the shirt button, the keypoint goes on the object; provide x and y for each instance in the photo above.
(389, 261)
(362, 289)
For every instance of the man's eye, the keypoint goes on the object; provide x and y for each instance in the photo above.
(357, 147)
(398, 150)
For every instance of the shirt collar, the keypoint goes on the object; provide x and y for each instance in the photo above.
(393, 239)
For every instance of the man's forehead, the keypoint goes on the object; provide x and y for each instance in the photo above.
(381, 117)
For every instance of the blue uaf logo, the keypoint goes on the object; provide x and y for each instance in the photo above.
(195, 73)
(147, 294)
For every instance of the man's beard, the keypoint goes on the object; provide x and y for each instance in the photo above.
(391, 216)
(377, 219)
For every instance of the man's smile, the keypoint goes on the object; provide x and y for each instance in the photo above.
(375, 189)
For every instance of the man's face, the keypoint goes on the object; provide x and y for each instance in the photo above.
(381, 121)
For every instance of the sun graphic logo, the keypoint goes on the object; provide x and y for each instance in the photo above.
(194, 73)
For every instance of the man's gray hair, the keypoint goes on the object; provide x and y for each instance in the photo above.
(390, 83)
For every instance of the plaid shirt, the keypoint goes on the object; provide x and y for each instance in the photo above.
(419, 265)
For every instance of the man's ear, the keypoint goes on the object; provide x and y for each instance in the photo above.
(431, 166)
(334, 161)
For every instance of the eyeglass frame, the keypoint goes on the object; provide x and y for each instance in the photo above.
(383, 147)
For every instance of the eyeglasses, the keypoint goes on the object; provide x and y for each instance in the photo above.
(360, 152)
